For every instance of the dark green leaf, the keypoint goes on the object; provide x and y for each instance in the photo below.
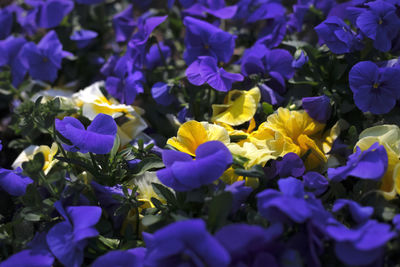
(219, 209)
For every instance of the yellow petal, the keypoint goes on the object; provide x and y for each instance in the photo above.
(216, 132)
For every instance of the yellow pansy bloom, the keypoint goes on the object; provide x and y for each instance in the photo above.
(389, 137)
(238, 107)
(29, 152)
(191, 134)
(294, 131)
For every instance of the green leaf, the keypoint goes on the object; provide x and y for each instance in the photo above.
(32, 217)
(237, 138)
(267, 108)
(255, 171)
(157, 203)
(148, 164)
(165, 193)
(219, 209)
(35, 165)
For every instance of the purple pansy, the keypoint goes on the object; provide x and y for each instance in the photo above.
(362, 245)
(154, 58)
(182, 173)
(358, 213)
(205, 70)
(216, 8)
(83, 38)
(98, 138)
(44, 59)
(68, 239)
(11, 55)
(204, 39)
(6, 21)
(315, 182)
(251, 245)
(88, 2)
(318, 107)
(127, 258)
(338, 36)
(13, 182)
(370, 164)
(240, 192)
(184, 243)
(50, 13)
(285, 206)
(375, 89)
(161, 94)
(300, 61)
(380, 23)
(254, 10)
(290, 165)
(124, 24)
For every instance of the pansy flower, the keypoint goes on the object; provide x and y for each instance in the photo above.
(204, 39)
(6, 20)
(318, 107)
(216, 8)
(161, 94)
(358, 213)
(44, 59)
(182, 173)
(50, 13)
(83, 38)
(154, 58)
(88, 2)
(124, 24)
(375, 89)
(13, 182)
(29, 152)
(238, 107)
(205, 70)
(98, 138)
(11, 55)
(128, 258)
(184, 243)
(68, 239)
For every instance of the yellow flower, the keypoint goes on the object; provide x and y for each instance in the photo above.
(191, 134)
(239, 107)
(145, 189)
(29, 152)
(389, 137)
(294, 131)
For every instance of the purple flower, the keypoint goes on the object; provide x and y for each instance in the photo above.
(161, 94)
(11, 55)
(13, 182)
(44, 59)
(98, 138)
(290, 165)
(358, 213)
(277, 63)
(269, 95)
(240, 192)
(154, 57)
(362, 245)
(216, 8)
(88, 2)
(68, 239)
(251, 245)
(380, 23)
(137, 45)
(273, 33)
(318, 107)
(204, 39)
(50, 13)
(83, 38)
(6, 21)
(396, 222)
(124, 24)
(184, 243)
(300, 61)
(285, 206)
(315, 182)
(375, 89)
(37, 254)
(338, 36)
(182, 173)
(184, 115)
(205, 70)
(127, 258)
(370, 164)
(254, 10)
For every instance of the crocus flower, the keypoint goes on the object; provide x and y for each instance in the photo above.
(127, 258)
(192, 133)
(37, 254)
(204, 39)
(68, 239)
(161, 94)
(124, 24)
(380, 23)
(285, 206)
(375, 89)
(44, 59)
(11, 55)
(83, 38)
(98, 138)
(205, 70)
(358, 213)
(13, 182)
(184, 243)
(318, 107)
(182, 173)
(238, 107)
(362, 245)
(154, 58)
(251, 245)
(50, 13)
(370, 164)
(338, 36)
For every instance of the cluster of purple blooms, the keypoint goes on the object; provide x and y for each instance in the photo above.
(298, 216)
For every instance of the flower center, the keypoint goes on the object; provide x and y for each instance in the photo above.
(45, 59)
(380, 21)
(376, 85)
(206, 46)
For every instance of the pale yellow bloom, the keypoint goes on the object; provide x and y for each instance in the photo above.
(238, 107)
(29, 152)
(191, 134)
(389, 137)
